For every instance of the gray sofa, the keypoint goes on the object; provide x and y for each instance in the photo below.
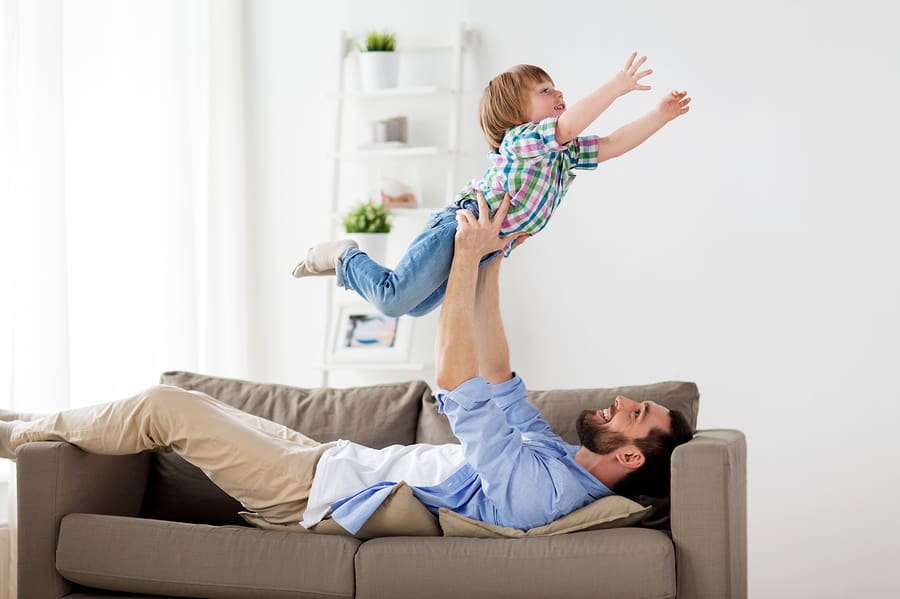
(151, 525)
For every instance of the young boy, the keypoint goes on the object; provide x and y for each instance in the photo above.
(535, 145)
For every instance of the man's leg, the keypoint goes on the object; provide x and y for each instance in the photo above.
(269, 468)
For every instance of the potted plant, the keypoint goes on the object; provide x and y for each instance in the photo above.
(378, 61)
(368, 224)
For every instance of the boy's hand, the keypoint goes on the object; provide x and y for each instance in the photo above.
(674, 104)
(628, 78)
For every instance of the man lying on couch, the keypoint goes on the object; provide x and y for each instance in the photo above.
(509, 469)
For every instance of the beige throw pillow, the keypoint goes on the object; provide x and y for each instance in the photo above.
(608, 512)
(401, 515)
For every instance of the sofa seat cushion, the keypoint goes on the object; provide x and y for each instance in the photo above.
(197, 560)
(618, 563)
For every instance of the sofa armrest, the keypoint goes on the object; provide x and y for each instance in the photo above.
(709, 515)
(55, 479)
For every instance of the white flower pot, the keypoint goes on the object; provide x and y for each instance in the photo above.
(378, 70)
(374, 244)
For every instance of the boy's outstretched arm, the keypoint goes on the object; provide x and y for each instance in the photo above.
(581, 114)
(628, 137)
(456, 358)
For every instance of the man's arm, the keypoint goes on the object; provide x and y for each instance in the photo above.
(635, 133)
(490, 336)
(577, 117)
(524, 491)
(493, 354)
(456, 346)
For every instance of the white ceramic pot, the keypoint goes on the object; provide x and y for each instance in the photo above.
(378, 70)
(374, 244)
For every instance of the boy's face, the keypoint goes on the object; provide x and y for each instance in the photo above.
(544, 101)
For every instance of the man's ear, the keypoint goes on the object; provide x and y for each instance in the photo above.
(630, 457)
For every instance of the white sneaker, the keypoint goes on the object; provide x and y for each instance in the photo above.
(321, 259)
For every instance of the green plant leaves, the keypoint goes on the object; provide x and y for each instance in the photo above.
(368, 217)
(380, 41)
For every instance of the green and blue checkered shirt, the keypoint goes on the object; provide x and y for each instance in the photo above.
(536, 171)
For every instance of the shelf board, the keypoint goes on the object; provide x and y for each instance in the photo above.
(395, 92)
(469, 41)
(408, 152)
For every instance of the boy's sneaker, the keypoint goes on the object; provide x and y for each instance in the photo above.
(321, 259)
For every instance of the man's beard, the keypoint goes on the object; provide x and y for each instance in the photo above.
(596, 436)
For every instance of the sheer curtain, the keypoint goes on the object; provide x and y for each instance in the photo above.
(123, 199)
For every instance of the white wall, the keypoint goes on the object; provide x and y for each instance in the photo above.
(751, 246)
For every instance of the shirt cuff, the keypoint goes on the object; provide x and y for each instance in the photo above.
(467, 395)
(587, 152)
(510, 391)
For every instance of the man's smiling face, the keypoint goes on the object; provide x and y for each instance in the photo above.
(604, 431)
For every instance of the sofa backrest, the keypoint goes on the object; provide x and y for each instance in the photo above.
(375, 416)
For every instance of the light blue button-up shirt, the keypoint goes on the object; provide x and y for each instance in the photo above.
(518, 473)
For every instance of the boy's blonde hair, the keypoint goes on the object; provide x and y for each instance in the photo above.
(505, 101)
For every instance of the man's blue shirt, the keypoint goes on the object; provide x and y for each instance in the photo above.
(518, 473)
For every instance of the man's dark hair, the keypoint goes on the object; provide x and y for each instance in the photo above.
(654, 477)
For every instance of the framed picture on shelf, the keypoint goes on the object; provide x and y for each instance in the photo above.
(361, 333)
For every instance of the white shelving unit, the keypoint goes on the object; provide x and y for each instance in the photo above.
(445, 98)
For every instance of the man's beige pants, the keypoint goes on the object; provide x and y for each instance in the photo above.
(268, 467)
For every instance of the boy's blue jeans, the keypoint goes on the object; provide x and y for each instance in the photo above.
(417, 285)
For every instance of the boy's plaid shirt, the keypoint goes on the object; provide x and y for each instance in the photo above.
(535, 170)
